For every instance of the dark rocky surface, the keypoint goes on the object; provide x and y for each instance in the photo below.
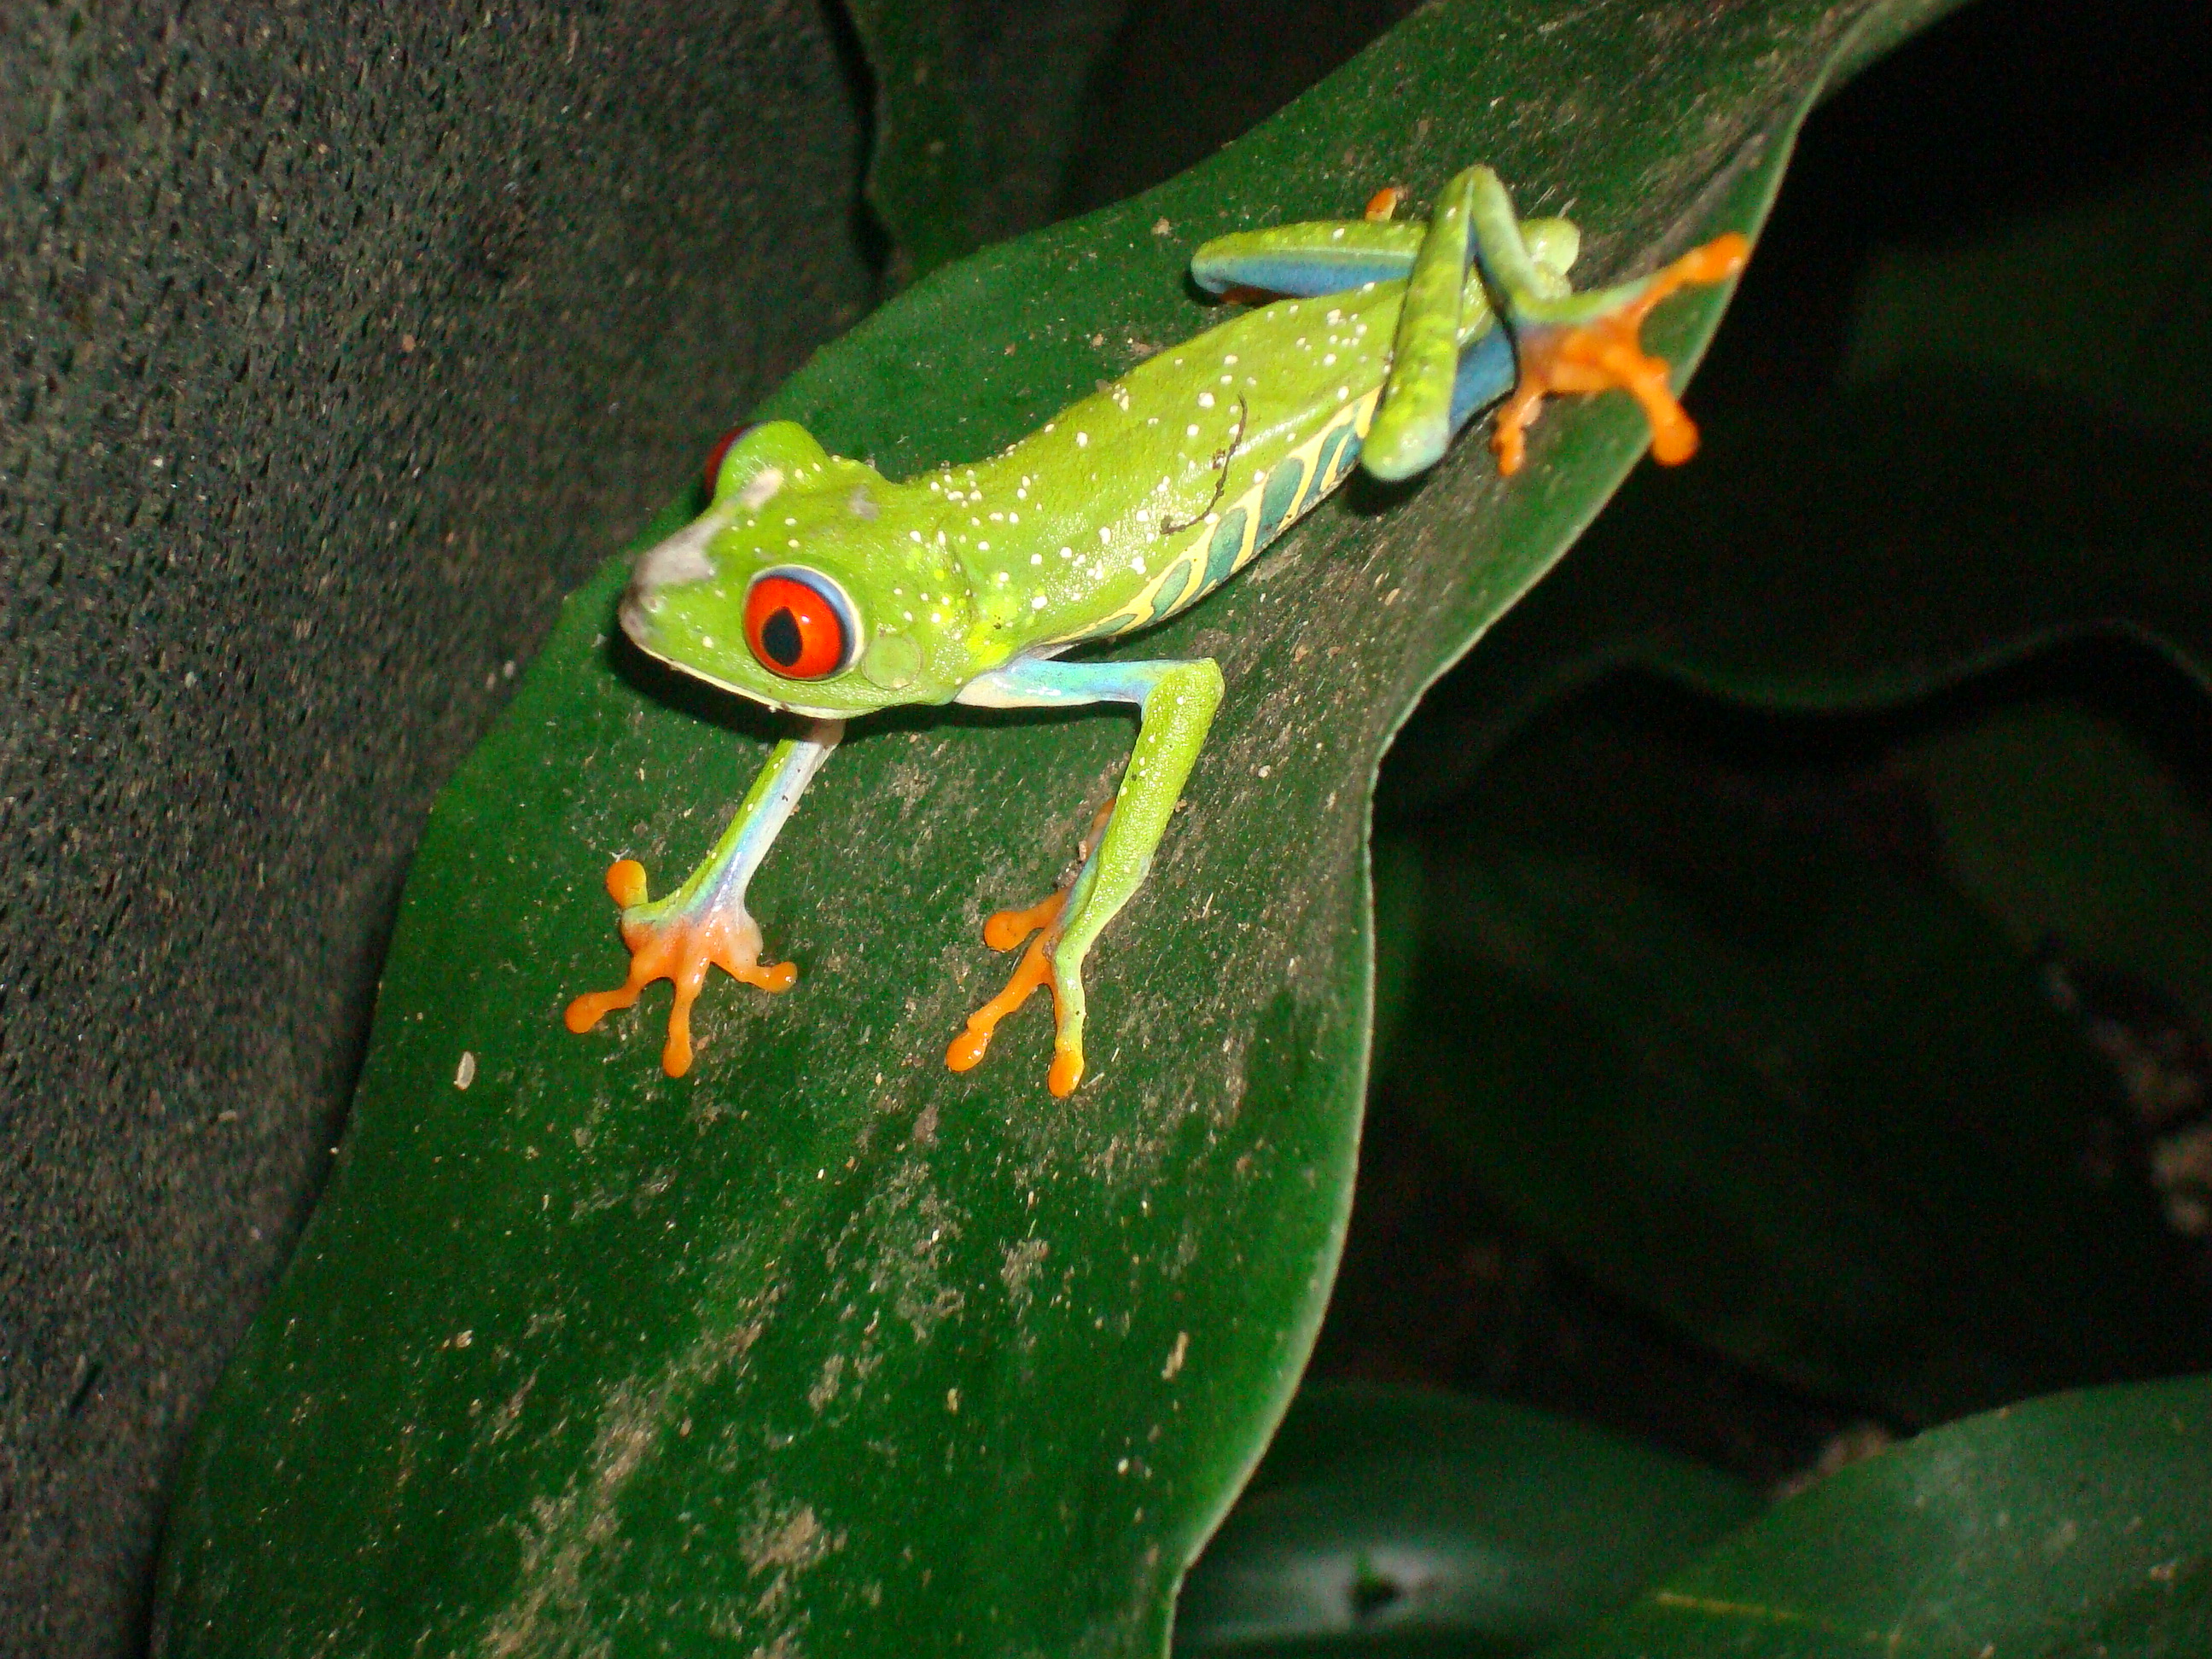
(340, 342)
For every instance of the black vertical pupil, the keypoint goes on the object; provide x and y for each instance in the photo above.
(780, 639)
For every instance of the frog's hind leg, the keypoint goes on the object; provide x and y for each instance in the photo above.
(1305, 261)
(1412, 426)
(1449, 358)
(1336, 256)
(1175, 703)
(1487, 371)
(1585, 343)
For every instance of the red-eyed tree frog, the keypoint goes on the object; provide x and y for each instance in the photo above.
(817, 586)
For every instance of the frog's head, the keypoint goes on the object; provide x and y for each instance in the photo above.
(793, 588)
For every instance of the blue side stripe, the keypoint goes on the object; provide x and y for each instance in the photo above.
(1488, 370)
(1301, 276)
(1221, 554)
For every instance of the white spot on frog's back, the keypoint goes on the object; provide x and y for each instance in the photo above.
(759, 487)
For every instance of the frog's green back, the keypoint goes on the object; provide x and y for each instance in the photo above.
(1148, 494)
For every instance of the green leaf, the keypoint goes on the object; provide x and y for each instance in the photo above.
(823, 1348)
(1392, 1521)
(2067, 1527)
(1725, 1035)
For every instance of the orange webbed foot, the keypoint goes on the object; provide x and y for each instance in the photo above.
(1005, 930)
(1608, 352)
(678, 946)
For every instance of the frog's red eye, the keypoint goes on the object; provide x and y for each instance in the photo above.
(799, 624)
(721, 449)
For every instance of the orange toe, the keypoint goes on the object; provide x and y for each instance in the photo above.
(678, 948)
(1608, 355)
(1032, 972)
(1066, 1072)
(1003, 931)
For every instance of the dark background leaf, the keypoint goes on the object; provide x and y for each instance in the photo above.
(2072, 1526)
(1717, 1022)
(1707, 934)
(1402, 1522)
(978, 106)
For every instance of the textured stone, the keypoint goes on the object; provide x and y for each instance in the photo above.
(339, 341)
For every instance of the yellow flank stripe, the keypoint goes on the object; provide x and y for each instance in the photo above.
(1186, 567)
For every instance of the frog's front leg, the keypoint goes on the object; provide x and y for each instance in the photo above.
(705, 923)
(1175, 703)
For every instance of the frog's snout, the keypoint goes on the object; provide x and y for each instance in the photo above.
(679, 561)
(634, 622)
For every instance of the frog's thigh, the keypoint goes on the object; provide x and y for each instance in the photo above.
(1176, 703)
(1413, 426)
(1303, 261)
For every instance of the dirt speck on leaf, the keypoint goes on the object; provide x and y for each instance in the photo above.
(783, 1542)
(1021, 1265)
